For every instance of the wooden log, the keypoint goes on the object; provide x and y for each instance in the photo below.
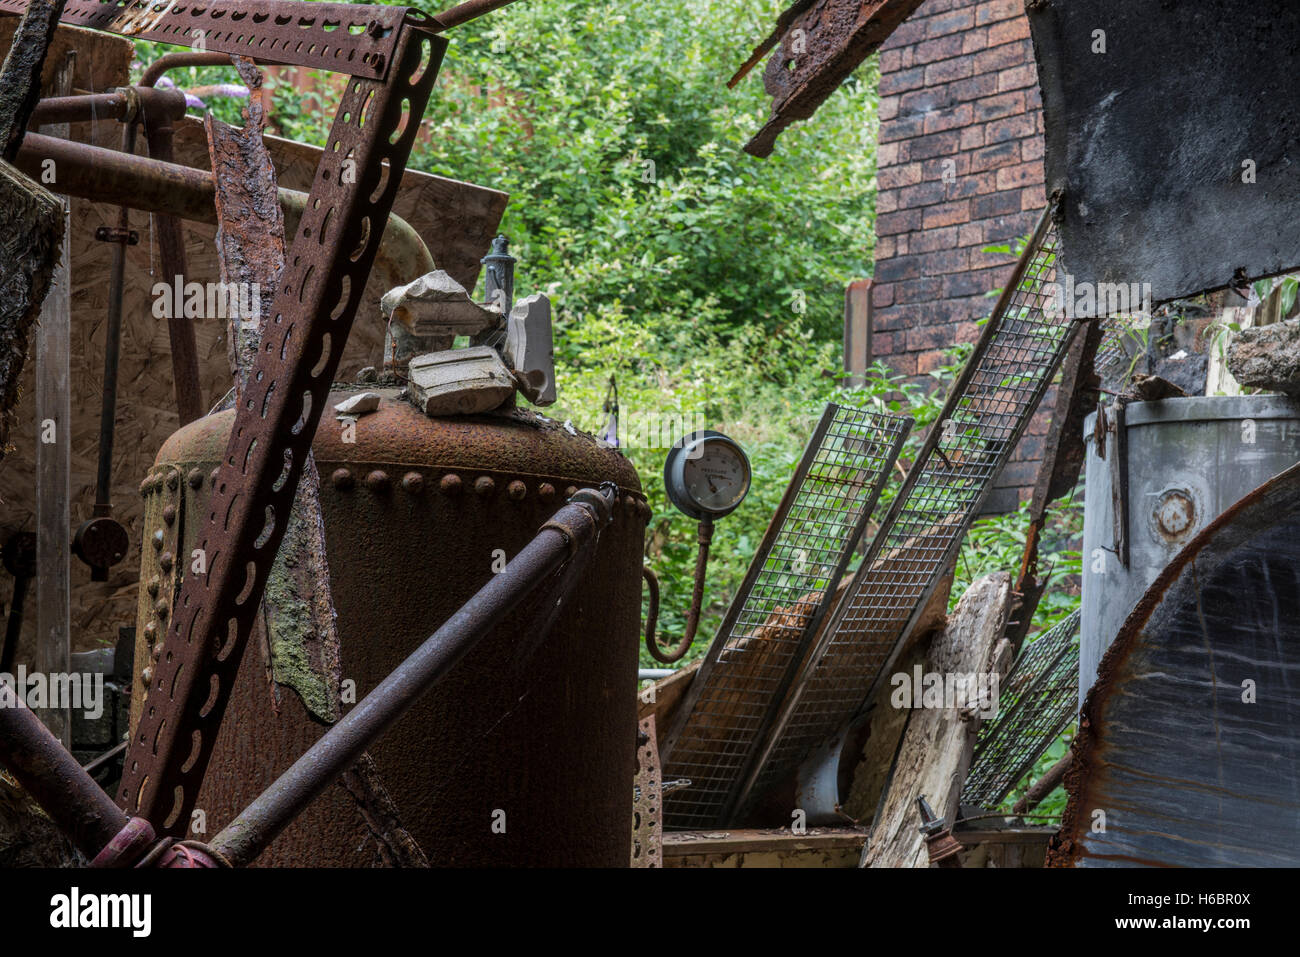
(936, 750)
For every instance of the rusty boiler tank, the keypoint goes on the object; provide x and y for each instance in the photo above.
(513, 759)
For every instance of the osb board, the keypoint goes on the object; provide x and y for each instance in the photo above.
(102, 59)
(455, 220)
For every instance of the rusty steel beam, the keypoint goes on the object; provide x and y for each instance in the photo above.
(821, 43)
(306, 331)
(353, 38)
(569, 537)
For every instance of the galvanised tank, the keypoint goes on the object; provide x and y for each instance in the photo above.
(506, 761)
(1189, 459)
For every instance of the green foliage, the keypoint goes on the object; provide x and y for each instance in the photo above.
(708, 282)
(611, 127)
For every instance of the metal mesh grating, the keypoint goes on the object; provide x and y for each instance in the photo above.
(992, 401)
(1121, 335)
(754, 657)
(1037, 703)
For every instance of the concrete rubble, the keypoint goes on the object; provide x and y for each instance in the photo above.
(529, 349)
(437, 305)
(460, 381)
(1268, 357)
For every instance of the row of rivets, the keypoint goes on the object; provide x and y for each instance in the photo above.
(451, 484)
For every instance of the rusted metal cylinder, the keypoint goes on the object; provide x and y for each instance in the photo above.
(513, 759)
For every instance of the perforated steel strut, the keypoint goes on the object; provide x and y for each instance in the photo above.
(302, 343)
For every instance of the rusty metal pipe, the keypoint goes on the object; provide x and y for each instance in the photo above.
(112, 350)
(54, 779)
(171, 257)
(182, 58)
(108, 176)
(121, 104)
(467, 11)
(570, 535)
(665, 657)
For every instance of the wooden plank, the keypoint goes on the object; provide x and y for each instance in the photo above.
(54, 472)
(737, 842)
(857, 332)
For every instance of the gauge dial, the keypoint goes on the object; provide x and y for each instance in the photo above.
(707, 475)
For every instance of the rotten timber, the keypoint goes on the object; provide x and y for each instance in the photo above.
(300, 620)
(20, 77)
(32, 221)
(821, 43)
(250, 222)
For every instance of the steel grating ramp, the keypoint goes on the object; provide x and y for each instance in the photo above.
(771, 622)
(1037, 703)
(987, 411)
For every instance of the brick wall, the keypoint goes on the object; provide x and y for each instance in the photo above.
(960, 168)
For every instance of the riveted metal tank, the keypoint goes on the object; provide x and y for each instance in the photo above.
(508, 760)
(1188, 459)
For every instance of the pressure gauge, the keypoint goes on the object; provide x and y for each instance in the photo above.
(706, 475)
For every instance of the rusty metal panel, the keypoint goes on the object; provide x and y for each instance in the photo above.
(1172, 131)
(319, 293)
(821, 43)
(1035, 705)
(357, 39)
(777, 610)
(1188, 752)
(982, 420)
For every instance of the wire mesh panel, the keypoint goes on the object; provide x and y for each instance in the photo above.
(1037, 703)
(1121, 337)
(767, 630)
(992, 401)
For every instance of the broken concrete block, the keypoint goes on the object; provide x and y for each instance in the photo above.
(1267, 357)
(460, 381)
(530, 350)
(359, 404)
(437, 305)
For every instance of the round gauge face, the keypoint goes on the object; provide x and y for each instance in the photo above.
(716, 475)
(706, 475)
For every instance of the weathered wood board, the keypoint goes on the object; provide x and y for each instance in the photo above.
(937, 745)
